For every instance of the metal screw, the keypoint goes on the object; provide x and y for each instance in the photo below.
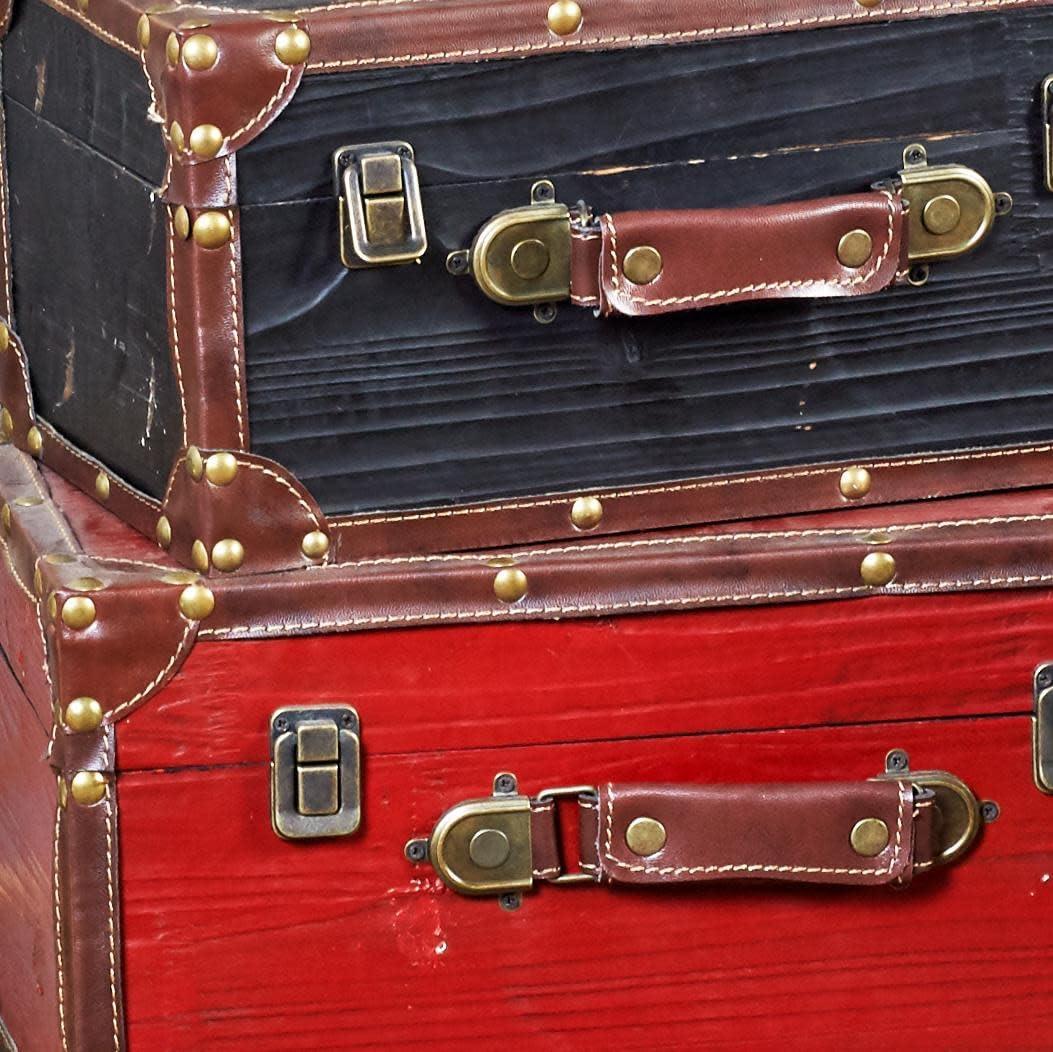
(505, 783)
(1044, 678)
(404, 151)
(416, 850)
(918, 275)
(897, 761)
(346, 719)
(543, 190)
(915, 155)
(457, 262)
(510, 900)
(990, 811)
(1003, 204)
(545, 313)
(281, 724)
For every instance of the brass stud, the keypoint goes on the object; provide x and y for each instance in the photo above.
(510, 585)
(855, 248)
(586, 513)
(83, 6)
(196, 602)
(869, 837)
(642, 264)
(315, 544)
(5, 337)
(78, 612)
(227, 554)
(530, 258)
(88, 787)
(564, 17)
(87, 584)
(172, 49)
(220, 468)
(142, 31)
(180, 577)
(163, 531)
(941, 214)
(868, 3)
(292, 46)
(199, 555)
(175, 133)
(83, 715)
(28, 502)
(102, 486)
(7, 423)
(855, 483)
(34, 441)
(489, 848)
(59, 558)
(211, 230)
(645, 836)
(206, 140)
(195, 464)
(200, 52)
(181, 222)
(877, 569)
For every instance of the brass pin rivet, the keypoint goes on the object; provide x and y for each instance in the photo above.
(855, 248)
(645, 836)
(7, 423)
(211, 230)
(87, 584)
(206, 140)
(175, 133)
(869, 837)
(193, 23)
(83, 715)
(227, 554)
(530, 259)
(855, 483)
(510, 585)
(196, 602)
(315, 544)
(642, 264)
(489, 848)
(59, 558)
(195, 464)
(200, 52)
(163, 532)
(88, 787)
(220, 468)
(868, 3)
(63, 792)
(199, 555)
(5, 337)
(78, 612)
(52, 606)
(172, 49)
(180, 577)
(877, 569)
(292, 46)
(586, 513)
(34, 441)
(102, 486)
(83, 5)
(181, 222)
(142, 31)
(941, 214)
(28, 502)
(564, 17)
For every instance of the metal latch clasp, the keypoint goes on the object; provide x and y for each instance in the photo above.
(315, 762)
(381, 216)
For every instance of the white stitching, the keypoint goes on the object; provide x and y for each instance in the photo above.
(114, 712)
(58, 929)
(284, 482)
(72, 12)
(175, 325)
(110, 931)
(234, 314)
(14, 573)
(6, 247)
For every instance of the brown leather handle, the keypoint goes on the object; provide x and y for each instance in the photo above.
(642, 263)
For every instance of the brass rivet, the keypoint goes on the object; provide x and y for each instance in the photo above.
(942, 214)
(869, 837)
(530, 259)
(102, 486)
(868, 3)
(28, 502)
(877, 569)
(645, 836)
(7, 423)
(180, 577)
(52, 606)
(5, 337)
(315, 544)
(586, 513)
(855, 483)
(87, 584)
(195, 465)
(855, 248)
(163, 532)
(181, 222)
(206, 140)
(211, 230)
(59, 558)
(510, 585)
(489, 848)
(34, 441)
(642, 264)
(292, 46)
(63, 792)
(83, 715)
(220, 468)
(78, 612)
(83, 5)
(227, 554)
(172, 49)
(175, 133)
(564, 17)
(200, 52)
(142, 31)
(88, 787)
(199, 555)
(5, 518)
(196, 602)
(193, 23)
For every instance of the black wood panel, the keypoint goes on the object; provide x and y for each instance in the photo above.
(404, 387)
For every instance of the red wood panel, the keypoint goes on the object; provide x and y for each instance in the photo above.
(497, 685)
(28, 997)
(235, 939)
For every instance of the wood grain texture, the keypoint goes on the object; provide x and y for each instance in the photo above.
(236, 939)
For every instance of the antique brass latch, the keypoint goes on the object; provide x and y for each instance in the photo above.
(315, 772)
(381, 218)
